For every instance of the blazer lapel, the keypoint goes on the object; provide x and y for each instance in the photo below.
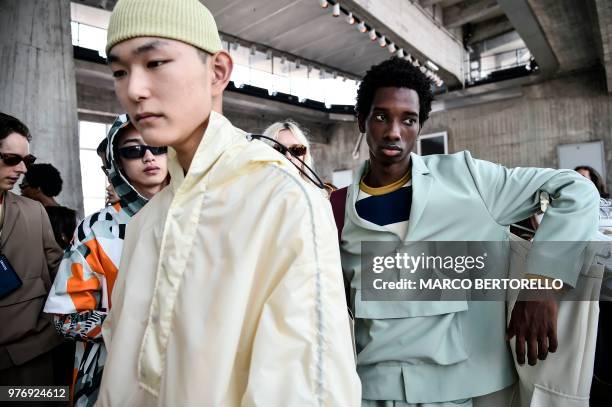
(11, 214)
(421, 185)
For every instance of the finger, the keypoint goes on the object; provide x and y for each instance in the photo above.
(552, 340)
(532, 350)
(520, 349)
(542, 347)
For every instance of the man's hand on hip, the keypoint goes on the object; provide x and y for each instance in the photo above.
(534, 322)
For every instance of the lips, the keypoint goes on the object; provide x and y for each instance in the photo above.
(152, 169)
(147, 117)
(391, 150)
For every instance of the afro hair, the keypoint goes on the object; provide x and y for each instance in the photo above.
(46, 177)
(397, 73)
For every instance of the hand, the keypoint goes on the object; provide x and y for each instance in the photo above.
(534, 322)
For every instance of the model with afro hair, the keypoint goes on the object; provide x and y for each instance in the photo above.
(398, 73)
(441, 353)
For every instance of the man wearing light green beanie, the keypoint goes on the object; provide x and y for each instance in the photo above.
(230, 291)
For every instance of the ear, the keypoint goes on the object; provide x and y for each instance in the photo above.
(361, 121)
(222, 66)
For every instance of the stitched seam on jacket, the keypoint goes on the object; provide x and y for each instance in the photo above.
(318, 288)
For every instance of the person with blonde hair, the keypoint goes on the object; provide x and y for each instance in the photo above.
(293, 139)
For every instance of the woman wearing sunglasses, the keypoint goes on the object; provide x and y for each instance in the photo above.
(81, 294)
(291, 141)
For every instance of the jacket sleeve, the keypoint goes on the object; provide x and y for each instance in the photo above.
(511, 195)
(302, 353)
(76, 295)
(53, 253)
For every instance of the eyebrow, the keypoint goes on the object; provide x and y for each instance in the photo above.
(384, 109)
(146, 47)
(130, 140)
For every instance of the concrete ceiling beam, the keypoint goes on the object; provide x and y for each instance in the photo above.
(464, 13)
(429, 3)
(411, 29)
(489, 29)
(527, 25)
(604, 16)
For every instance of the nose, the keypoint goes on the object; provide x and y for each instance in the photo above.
(148, 156)
(394, 131)
(21, 168)
(138, 86)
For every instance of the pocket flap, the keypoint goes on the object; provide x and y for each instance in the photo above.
(404, 309)
(31, 288)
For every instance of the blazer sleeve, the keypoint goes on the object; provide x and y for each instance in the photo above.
(302, 353)
(571, 220)
(53, 253)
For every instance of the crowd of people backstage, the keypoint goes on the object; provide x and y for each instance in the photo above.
(220, 274)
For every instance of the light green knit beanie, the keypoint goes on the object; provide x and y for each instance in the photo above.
(188, 21)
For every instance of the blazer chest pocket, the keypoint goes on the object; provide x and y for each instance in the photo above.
(31, 288)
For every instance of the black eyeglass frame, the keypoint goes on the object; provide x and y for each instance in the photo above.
(25, 159)
(317, 181)
(142, 150)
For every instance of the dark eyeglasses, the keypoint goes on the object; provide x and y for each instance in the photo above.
(296, 150)
(14, 159)
(305, 169)
(138, 151)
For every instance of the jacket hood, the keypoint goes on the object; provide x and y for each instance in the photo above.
(130, 200)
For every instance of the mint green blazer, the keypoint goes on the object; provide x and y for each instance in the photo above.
(422, 352)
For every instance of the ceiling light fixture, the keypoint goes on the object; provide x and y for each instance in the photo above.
(362, 27)
(323, 3)
(336, 9)
(373, 34)
(382, 41)
(350, 19)
(432, 65)
(392, 48)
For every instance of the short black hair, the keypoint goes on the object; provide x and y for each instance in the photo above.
(46, 177)
(397, 73)
(9, 125)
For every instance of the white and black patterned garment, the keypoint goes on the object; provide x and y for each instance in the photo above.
(391, 209)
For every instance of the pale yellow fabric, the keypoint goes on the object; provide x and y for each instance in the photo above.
(188, 21)
(246, 304)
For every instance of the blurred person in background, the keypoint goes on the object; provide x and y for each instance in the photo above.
(30, 257)
(42, 183)
(81, 293)
(593, 175)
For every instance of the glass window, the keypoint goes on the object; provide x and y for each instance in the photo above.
(93, 180)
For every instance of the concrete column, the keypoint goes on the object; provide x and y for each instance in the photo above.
(37, 83)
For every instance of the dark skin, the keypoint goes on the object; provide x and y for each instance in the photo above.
(392, 127)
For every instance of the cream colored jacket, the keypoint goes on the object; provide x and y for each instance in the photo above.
(230, 291)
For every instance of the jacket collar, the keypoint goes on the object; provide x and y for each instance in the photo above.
(421, 185)
(11, 214)
(218, 137)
